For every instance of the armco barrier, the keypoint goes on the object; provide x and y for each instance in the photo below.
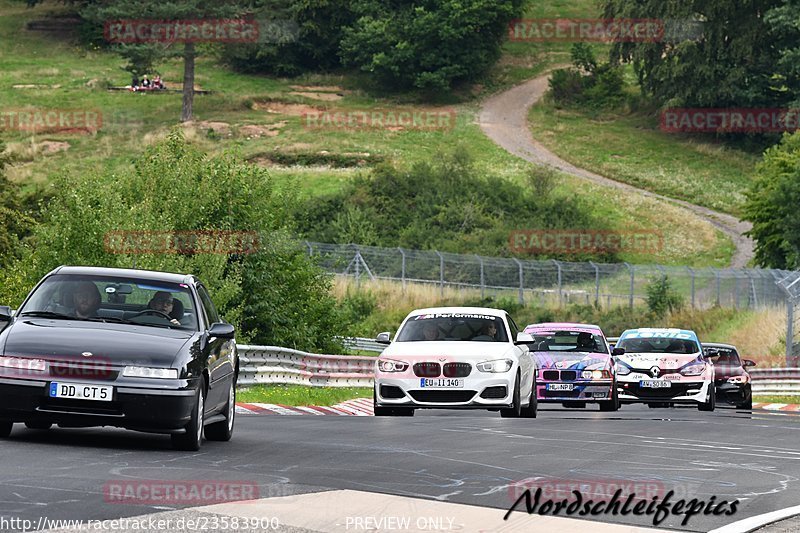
(273, 364)
(362, 344)
(776, 381)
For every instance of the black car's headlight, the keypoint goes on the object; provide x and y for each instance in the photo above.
(149, 372)
(23, 363)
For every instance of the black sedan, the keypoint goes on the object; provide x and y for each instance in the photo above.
(731, 380)
(134, 349)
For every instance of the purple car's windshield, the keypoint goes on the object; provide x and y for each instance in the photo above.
(453, 327)
(112, 299)
(568, 341)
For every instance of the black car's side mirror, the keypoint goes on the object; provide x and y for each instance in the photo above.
(384, 338)
(618, 351)
(748, 362)
(5, 313)
(221, 330)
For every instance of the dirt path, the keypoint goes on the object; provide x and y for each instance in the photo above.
(504, 120)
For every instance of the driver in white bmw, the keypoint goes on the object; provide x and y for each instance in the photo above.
(456, 357)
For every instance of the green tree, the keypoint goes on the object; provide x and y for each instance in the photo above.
(15, 222)
(772, 206)
(428, 44)
(320, 25)
(732, 63)
(143, 56)
(275, 296)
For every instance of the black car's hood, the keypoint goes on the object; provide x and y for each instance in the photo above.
(115, 344)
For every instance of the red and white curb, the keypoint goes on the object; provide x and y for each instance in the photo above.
(357, 407)
(794, 407)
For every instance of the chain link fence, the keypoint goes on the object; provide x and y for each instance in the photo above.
(790, 284)
(556, 283)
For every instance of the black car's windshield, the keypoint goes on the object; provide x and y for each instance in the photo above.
(568, 341)
(658, 345)
(113, 299)
(726, 357)
(453, 327)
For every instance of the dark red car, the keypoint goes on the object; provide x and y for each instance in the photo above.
(730, 375)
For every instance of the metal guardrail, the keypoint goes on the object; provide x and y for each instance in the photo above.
(776, 381)
(274, 364)
(362, 344)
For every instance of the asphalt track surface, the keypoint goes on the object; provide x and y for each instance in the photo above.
(468, 457)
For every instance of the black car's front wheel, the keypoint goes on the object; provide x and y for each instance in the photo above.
(5, 429)
(191, 440)
(223, 431)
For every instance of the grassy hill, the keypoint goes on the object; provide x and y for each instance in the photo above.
(261, 118)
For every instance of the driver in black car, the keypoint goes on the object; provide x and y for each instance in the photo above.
(164, 302)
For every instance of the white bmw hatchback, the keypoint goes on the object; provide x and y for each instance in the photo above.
(456, 358)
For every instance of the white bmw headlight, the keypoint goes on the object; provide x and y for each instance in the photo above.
(496, 366)
(388, 365)
(694, 370)
(148, 372)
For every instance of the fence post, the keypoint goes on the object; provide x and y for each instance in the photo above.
(521, 282)
(691, 273)
(357, 260)
(483, 285)
(789, 331)
(310, 249)
(716, 272)
(441, 272)
(596, 284)
(403, 268)
(630, 292)
(736, 288)
(560, 295)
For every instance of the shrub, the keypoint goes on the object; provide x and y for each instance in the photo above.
(275, 296)
(449, 205)
(662, 298)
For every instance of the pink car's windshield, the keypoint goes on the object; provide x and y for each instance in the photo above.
(568, 341)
